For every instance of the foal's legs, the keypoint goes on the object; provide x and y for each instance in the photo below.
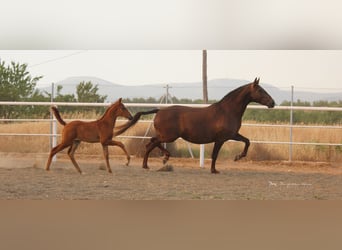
(239, 137)
(71, 153)
(122, 146)
(54, 151)
(105, 153)
(217, 147)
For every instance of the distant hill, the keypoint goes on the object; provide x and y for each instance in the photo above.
(217, 88)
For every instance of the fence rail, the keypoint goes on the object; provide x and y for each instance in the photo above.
(53, 134)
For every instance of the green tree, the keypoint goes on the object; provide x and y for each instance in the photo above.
(87, 92)
(59, 97)
(16, 84)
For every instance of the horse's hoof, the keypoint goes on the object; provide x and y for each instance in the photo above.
(214, 171)
(238, 157)
(146, 167)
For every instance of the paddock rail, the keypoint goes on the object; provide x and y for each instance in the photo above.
(53, 131)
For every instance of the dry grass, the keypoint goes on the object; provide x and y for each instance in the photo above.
(41, 144)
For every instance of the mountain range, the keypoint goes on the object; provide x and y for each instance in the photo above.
(217, 88)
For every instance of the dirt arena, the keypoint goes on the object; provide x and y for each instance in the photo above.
(22, 176)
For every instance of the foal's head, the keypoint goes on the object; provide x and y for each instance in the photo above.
(259, 95)
(121, 110)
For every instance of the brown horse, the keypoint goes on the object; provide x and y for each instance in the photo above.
(216, 123)
(100, 130)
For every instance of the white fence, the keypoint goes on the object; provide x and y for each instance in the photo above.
(53, 132)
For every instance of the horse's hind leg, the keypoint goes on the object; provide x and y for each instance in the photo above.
(165, 152)
(71, 153)
(239, 137)
(149, 147)
(122, 146)
(217, 147)
(54, 151)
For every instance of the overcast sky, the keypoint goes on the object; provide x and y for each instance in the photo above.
(309, 69)
(160, 41)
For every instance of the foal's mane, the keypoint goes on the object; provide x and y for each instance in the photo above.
(108, 110)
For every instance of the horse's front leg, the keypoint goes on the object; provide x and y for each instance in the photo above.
(239, 137)
(106, 156)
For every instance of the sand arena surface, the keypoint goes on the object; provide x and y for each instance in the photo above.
(23, 176)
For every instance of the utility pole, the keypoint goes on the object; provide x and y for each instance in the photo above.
(53, 126)
(205, 97)
(167, 95)
(204, 76)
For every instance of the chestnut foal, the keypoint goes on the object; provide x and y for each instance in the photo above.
(100, 130)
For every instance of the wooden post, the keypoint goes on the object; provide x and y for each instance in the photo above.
(205, 97)
(204, 77)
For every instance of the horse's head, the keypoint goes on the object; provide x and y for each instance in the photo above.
(259, 95)
(123, 111)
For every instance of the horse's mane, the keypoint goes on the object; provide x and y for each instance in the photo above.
(234, 93)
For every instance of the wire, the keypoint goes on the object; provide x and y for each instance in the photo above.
(57, 59)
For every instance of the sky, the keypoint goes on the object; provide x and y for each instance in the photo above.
(136, 42)
(316, 70)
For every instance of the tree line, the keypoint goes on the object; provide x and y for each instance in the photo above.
(269, 115)
(16, 84)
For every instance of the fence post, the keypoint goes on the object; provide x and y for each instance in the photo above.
(205, 96)
(53, 125)
(291, 125)
(201, 155)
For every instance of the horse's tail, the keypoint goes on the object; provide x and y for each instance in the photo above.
(130, 123)
(57, 115)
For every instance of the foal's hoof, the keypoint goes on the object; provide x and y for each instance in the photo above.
(214, 171)
(146, 167)
(128, 161)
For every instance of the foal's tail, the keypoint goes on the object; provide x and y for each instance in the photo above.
(130, 123)
(57, 115)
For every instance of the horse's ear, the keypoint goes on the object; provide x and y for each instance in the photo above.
(120, 99)
(256, 81)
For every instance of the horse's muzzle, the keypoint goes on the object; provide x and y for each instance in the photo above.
(130, 117)
(271, 104)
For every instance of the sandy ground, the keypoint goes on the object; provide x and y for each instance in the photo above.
(22, 176)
